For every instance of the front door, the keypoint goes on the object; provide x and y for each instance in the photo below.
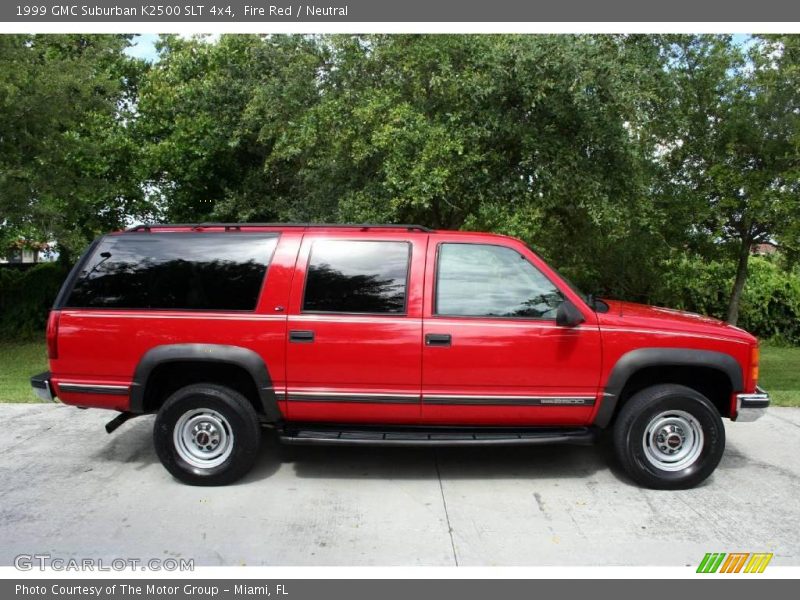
(355, 329)
(492, 351)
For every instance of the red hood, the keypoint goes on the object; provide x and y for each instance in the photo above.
(668, 318)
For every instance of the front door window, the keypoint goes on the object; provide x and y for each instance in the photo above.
(483, 280)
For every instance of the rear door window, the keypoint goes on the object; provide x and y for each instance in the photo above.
(182, 271)
(350, 276)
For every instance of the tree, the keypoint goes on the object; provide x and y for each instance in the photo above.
(209, 115)
(64, 148)
(537, 136)
(785, 49)
(733, 156)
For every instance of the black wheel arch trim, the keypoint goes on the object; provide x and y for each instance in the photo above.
(245, 358)
(636, 360)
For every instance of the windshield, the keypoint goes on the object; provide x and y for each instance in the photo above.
(574, 288)
(585, 297)
(596, 304)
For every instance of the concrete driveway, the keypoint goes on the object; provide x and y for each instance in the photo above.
(71, 490)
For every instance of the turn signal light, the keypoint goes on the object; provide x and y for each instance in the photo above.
(754, 355)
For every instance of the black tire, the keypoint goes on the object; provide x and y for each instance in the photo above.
(222, 418)
(642, 459)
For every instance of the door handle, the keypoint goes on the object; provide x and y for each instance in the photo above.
(438, 339)
(301, 336)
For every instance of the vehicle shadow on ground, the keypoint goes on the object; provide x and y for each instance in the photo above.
(133, 444)
(733, 458)
(480, 463)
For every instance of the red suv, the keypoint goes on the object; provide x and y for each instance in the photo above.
(378, 334)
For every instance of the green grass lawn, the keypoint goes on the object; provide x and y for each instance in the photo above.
(780, 372)
(18, 361)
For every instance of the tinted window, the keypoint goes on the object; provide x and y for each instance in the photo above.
(492, 281)
(212, 271)
(357, 277)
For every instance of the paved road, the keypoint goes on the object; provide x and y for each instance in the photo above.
(69, 489)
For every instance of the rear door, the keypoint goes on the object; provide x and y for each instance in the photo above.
(493, 353)
(355, 328)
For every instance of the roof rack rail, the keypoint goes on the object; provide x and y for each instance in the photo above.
(238, 226)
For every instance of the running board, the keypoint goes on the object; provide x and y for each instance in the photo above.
(433, 436)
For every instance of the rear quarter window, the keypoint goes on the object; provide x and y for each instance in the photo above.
(181, 271)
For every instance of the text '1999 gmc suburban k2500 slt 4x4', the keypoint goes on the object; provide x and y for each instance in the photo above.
(378, 334)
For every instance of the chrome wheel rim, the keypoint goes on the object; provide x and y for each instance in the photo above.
(203, 438)
(673, 440)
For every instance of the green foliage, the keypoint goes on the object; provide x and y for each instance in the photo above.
(66, 155)
(770, 305)
(695, 284)
(26, 297)
(209, 117)
(732, 148)
(771, 302)
(643, 166)
(450, 131)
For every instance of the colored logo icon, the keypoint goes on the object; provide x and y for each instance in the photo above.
(734, 562)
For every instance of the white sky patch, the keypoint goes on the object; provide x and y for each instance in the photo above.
(210, 38)
(143, 46)
(667, 147)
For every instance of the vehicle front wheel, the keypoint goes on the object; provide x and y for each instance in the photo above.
(207, 434)
(669, 437)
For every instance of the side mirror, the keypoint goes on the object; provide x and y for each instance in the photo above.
(568, 315)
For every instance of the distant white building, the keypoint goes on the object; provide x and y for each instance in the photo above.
(30, 255)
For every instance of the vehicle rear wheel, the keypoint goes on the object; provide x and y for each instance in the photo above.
(669, 437)
(207, 434)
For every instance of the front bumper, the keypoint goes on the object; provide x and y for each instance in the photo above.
(750, 407)
(42, 386)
